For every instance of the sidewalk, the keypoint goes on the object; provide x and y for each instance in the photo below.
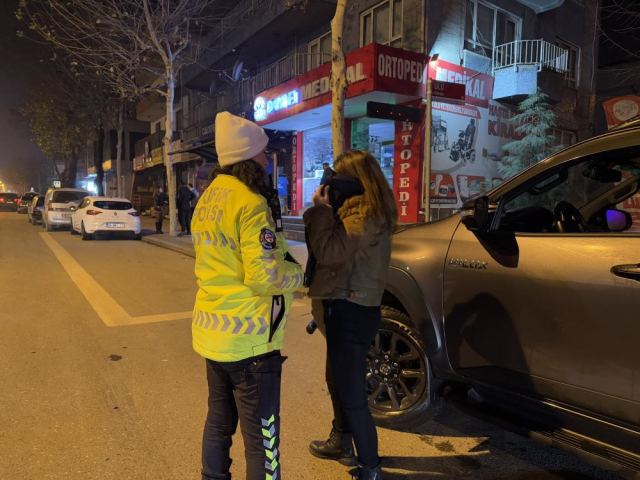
(184, 245)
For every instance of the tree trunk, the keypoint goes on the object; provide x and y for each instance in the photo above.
(119, 152)
(338, 78)
(99, 160)
(70, 171)
(168, 163)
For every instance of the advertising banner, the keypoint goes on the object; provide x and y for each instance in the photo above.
(466, 150)
(621, 109)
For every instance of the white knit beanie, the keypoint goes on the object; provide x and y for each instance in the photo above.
(238, 139)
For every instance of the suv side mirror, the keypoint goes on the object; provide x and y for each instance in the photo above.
(618, 221)
(475, 214)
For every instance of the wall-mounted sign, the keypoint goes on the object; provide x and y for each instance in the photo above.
(263, 107)
(371, 68)
(478, 86)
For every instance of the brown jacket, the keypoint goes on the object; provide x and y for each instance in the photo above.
(352, 253)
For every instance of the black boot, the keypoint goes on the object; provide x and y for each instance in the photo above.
(338, 447)
(368, 473)
(157, 227)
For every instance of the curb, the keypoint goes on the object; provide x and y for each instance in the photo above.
(151, 239)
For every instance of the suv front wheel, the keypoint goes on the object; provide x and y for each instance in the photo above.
(398, 374)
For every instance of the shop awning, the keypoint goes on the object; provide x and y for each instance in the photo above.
(206, 150)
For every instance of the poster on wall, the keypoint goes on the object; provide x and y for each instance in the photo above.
(621, 109)
(467, 143)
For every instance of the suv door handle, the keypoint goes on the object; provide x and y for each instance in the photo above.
(631, 272)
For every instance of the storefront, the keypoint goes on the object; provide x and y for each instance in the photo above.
(302, 105)
(149, 175)
(467, 139)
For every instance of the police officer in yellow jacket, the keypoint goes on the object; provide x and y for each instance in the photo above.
(246, 277)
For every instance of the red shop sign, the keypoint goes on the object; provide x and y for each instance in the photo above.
(478, 86)
(407, 171)
(371, 68)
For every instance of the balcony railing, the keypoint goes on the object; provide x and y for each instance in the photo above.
(246, 90)
(155, 141)
(287, 68)
(243, 10)
(538, 53)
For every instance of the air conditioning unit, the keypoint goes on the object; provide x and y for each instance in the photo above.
(476, 62)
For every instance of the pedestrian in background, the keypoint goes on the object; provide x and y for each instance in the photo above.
(184, 207)
(194, 200)
(162, 200)
(326, 174)
(246, 277)
(349, 234)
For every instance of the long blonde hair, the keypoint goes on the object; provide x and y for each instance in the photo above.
(379, 202)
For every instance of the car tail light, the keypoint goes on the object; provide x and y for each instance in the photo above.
(93, 212)
(1, 200)
(134, 214)
(19, 201)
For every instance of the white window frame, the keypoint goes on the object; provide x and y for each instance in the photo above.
(569, 81)
(563, 134)
(369, 12)
(313, 62)
(474, 41)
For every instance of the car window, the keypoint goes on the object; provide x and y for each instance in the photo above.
(591, 186)
(9, 196)
(112, 205)
(66, 197)
(40, 202)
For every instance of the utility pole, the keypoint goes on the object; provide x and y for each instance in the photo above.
(427, 152)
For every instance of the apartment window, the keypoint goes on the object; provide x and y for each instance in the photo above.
(382, 24)
(564, 138)
(158, 127)
(319, 51)
(488, 26)
(573, 63)
(179, 121)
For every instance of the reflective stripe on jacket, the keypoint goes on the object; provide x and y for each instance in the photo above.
(243, 276)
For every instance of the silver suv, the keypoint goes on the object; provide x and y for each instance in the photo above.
(530, 300)
(57, 206)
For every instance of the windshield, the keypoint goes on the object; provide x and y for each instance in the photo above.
(66, 197)
(111, 205)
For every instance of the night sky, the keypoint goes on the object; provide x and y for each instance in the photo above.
(19, 59)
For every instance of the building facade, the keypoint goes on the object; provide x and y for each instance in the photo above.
(269, 62)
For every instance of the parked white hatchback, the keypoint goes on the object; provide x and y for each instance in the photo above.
(105, 215)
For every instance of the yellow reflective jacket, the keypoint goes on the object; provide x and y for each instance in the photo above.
(245, 272)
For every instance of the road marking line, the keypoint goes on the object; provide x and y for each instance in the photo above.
(110, 311)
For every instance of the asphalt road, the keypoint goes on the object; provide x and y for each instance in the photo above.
(99, 380)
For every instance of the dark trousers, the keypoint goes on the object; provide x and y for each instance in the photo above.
(249, 391)
(185, 219)
(159, 218)
(350, 331)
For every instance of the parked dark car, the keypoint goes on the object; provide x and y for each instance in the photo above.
(529, 300)
(9, 201)
(35, 210)
(25, 201)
